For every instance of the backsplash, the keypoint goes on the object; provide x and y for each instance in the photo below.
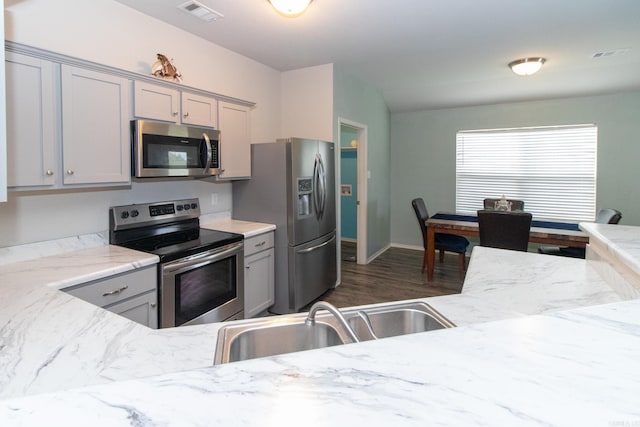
(52, 247)
(30, 217)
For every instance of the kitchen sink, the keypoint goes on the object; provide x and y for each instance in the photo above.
(278, 339)
(269, 336)
(398, 320)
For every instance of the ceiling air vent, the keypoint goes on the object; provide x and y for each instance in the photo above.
(610, 53)
(199, 10)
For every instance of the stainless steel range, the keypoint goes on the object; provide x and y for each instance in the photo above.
(201, 272)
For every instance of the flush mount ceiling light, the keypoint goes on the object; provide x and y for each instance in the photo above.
(527, 66)
(290, 8)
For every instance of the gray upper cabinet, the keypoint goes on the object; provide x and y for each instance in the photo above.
(95, 127)
(235, 143)
(3, 123)
(199, 110)
(172, 105)
(68, 121)
(156, 102)
(31, 121)
(66, 126)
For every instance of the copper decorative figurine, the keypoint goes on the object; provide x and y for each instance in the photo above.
(163, 68)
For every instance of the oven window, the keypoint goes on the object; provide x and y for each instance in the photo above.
(205, 288)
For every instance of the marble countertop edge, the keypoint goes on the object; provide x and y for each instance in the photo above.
(246, 228)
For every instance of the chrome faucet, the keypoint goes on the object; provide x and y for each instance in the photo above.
(323, 305)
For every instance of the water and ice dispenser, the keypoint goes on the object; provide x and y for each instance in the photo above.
(305, 193)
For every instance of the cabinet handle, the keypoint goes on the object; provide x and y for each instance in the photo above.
(186, 114)
(117, 291)
(153, 305)
(49, 172)
(69, 172)
(264, 242)
(175, 113)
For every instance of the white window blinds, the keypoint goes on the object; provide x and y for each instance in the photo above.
(552, 169)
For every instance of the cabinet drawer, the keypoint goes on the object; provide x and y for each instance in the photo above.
(116, 288)
(258, 243)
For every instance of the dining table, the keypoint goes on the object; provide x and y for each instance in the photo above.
(548, 232)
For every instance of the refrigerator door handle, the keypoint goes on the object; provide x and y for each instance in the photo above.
(322, 181)
(317, 187)
(313, 248)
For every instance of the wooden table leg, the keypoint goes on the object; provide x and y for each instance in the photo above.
(431, 252)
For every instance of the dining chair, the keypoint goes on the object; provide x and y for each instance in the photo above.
(443, 242)
(516, 205)
(604, 216)
(504, 230)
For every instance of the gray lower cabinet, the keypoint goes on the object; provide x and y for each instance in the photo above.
(259, 275)
(142, 309)
(132, 295)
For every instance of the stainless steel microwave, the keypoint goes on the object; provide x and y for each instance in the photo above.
(169, 150)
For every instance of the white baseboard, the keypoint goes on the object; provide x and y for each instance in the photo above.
(403, 246)
(377, 254)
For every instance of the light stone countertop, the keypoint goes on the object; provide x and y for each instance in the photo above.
(543, 364)
(246, 228)
(621, 242)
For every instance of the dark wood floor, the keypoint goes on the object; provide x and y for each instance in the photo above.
(394, 275)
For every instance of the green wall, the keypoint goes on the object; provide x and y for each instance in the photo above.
(423, 152)
(360, 102)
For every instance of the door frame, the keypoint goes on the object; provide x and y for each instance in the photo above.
(361, 220)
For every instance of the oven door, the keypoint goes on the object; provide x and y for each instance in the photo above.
(203, 288)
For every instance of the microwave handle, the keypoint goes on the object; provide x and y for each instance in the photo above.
(209, 153)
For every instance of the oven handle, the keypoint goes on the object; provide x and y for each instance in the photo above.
(203, 258)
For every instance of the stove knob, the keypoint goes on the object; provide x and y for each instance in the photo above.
(179, 208)
(134, 213)
(194, 205)
(124, 215)
(187, 206)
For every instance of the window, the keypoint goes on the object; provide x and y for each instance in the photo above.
(553, 169)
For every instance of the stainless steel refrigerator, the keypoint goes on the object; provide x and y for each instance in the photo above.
(292, 185)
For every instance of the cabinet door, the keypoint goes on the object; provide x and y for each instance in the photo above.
(3, 124)
(259, 283)
(31, 121)
(235, 146)
(156, 102)
(199, 110)
(142, 309)
(95, 127)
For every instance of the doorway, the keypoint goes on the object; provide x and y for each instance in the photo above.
(353, 185)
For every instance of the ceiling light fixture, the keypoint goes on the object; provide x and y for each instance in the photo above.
(290, 8)
(527, 66)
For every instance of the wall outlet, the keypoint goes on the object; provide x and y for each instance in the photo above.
(214, 198)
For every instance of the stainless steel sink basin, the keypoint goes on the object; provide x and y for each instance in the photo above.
(269, 336)
(398, 320)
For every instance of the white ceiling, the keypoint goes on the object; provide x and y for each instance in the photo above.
(429, 54)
